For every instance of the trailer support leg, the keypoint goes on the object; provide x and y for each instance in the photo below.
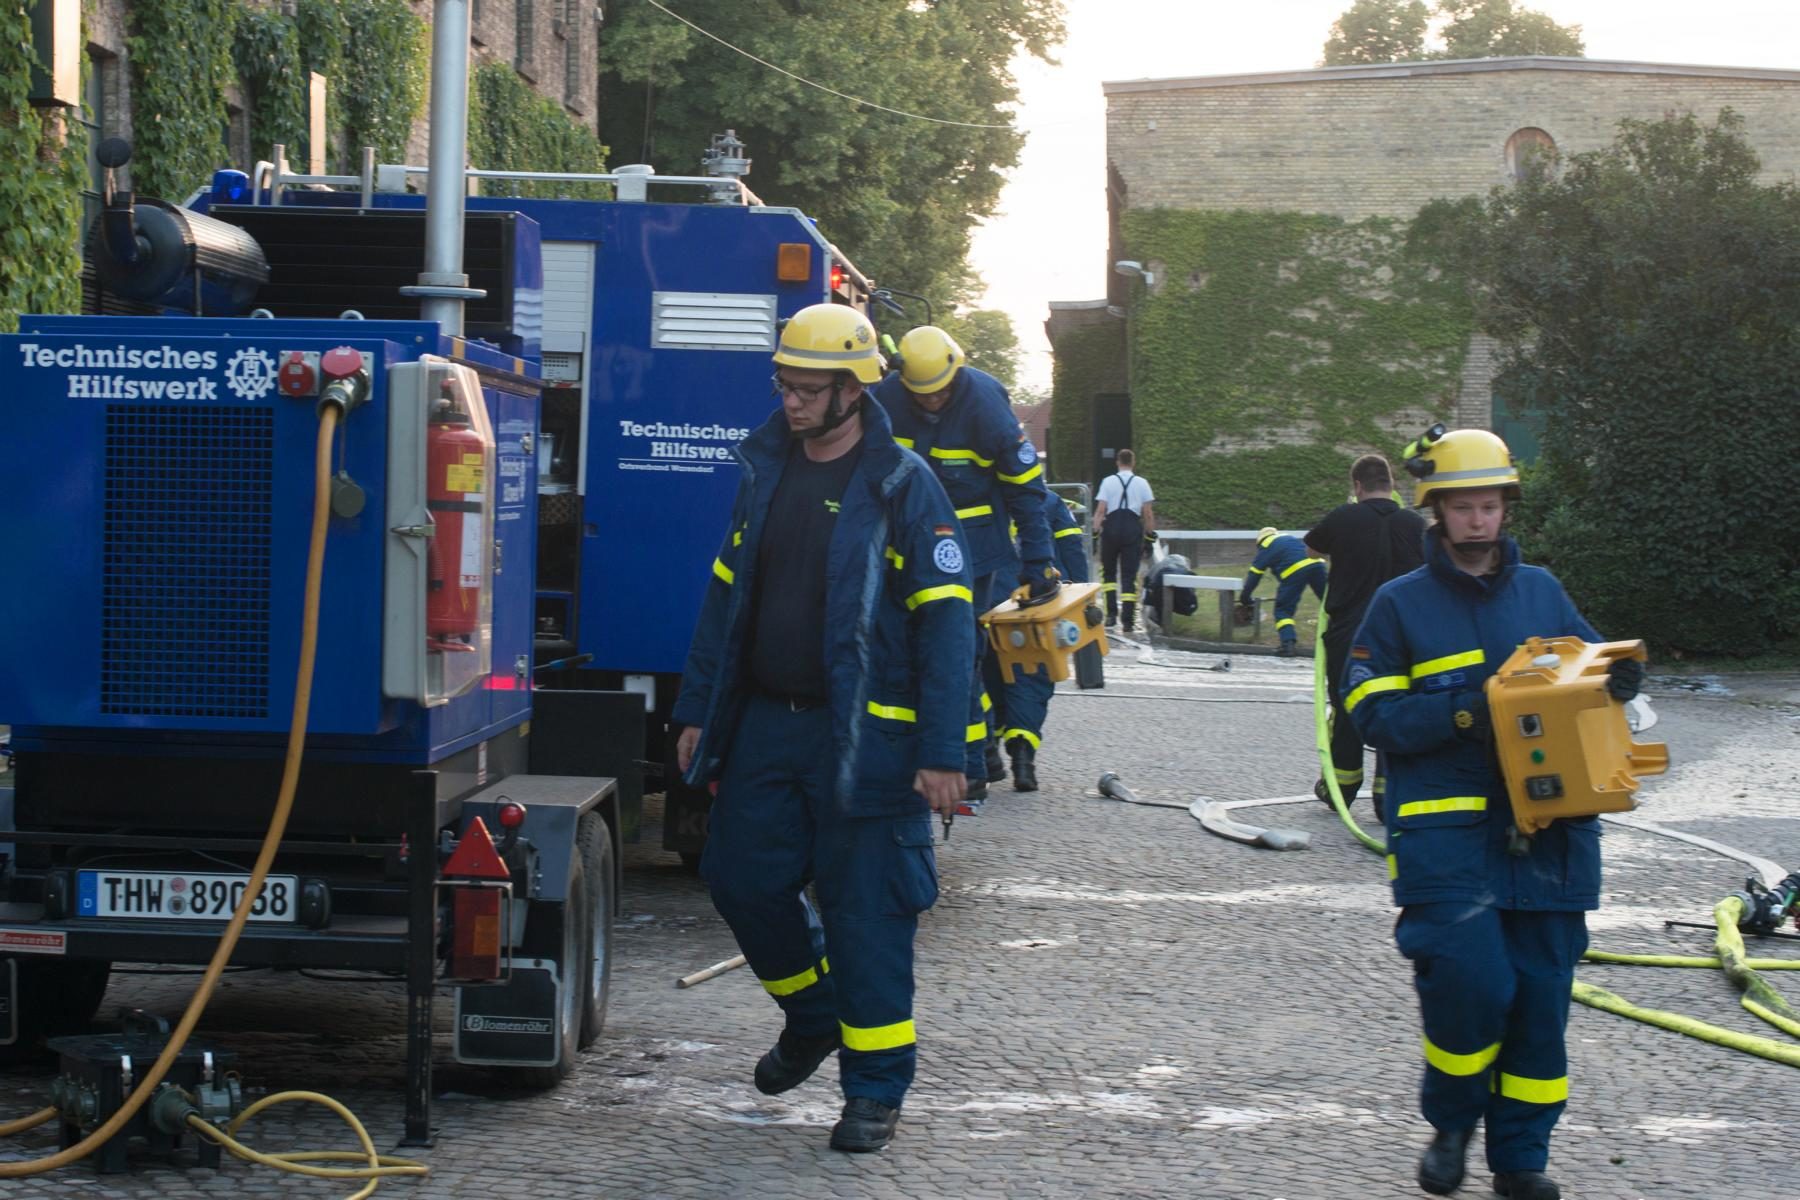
(421, 954)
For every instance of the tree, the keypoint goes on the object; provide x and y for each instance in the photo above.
(898, 194)
(986, 336)
(1378, 31)
(1498, 28)
(1644, 298)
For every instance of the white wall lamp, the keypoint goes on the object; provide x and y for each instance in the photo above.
(1126, 266)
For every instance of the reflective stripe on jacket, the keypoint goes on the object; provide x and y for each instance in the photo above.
(1282, 557)
(1432, 637)
(898, 636)
(992, 473)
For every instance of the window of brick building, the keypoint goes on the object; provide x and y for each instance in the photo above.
(1530, 151)
(525, 47)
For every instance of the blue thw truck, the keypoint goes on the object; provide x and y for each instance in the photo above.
(520, 519)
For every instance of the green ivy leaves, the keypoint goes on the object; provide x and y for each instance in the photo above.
(512, 128)
(40, 192)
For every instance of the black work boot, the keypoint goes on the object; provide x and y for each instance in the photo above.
(1526, 1185)
(1024, 764)
(996, 763)
(1287, 650)
(1128, 619)
(1441, 1166)
(793, 1059)
(866, 1125)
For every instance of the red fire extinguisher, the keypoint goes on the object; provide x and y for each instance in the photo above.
(456, 473)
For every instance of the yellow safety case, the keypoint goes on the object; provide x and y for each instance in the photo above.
(1045, 633)
(1565, 747)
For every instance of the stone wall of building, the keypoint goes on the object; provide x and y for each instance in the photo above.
(1382, 141)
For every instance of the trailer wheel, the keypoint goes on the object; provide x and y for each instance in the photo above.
(572, 948)
(54, 998)
(594, 839)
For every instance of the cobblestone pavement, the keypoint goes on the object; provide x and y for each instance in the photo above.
(1112, 1003)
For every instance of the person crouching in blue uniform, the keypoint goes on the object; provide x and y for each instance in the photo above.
(1494, 924)
(960, 421)
(826, 692)
(1285, 557)
(1023, 701)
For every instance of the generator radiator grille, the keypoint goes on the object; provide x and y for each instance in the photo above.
(185, 603)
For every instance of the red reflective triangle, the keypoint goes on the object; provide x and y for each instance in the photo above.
(475, 856)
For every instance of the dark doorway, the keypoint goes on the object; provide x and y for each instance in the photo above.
(1112, 431)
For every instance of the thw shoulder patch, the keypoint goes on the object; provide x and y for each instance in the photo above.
(948, 556)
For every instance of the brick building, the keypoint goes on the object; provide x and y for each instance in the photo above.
(1378, 141)
(552, 44)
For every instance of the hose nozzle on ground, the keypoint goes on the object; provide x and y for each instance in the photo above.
(1114, 788)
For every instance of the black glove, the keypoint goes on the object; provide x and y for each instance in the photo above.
(1150, 537)
(1041, 577)
(1624, 679)
(1469, 712)
(1243, 613)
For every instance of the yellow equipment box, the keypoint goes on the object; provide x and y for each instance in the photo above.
(1047, 633)
(1564, 745)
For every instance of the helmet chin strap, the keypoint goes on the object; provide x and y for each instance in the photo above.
(835, 414)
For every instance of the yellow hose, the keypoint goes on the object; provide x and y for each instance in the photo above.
(284, 805)
(32, 1122)
(1322, 736)
(1683, 960)
(1749, 1043)
(379, 1166)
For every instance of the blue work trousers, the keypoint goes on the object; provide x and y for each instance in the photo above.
(981, 700)
(848, 964)
(1020, 701)
(1494, 994)
(1287, 598)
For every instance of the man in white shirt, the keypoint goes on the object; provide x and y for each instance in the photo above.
(1124, 516)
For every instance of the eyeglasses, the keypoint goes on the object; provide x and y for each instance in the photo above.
(806, 394)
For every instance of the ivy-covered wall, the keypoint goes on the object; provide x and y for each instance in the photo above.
(40, 190)
(1089, 361)
(1273, 349)
(375, 53)
(512, 128)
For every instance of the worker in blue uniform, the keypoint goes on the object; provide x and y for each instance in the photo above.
(958, 419)
(1285, 558)
(825, 693)
(1022, 701)
(1492, 921)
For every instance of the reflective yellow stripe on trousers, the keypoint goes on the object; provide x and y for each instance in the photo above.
(881, 1037)
(796, 983)
(1534, 1091)
(1460, 1064)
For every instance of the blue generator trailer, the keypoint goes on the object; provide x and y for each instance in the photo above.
(518, 522)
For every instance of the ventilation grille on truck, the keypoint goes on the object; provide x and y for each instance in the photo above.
(185, 603)
(712, 321)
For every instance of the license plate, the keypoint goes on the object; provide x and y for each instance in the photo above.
(167, 895)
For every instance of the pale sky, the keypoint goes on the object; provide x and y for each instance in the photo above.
(1048, 241)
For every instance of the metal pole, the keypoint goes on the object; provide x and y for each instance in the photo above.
(442, 286)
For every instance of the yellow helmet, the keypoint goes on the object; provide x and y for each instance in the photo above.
(929, 359)
(1265, 533)
(1462, 460)
(831, 337)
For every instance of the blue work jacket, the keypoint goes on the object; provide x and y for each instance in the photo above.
(1065, 539)
(1431, 638)
(984, 461)
(1282, 556)
(898, 634)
